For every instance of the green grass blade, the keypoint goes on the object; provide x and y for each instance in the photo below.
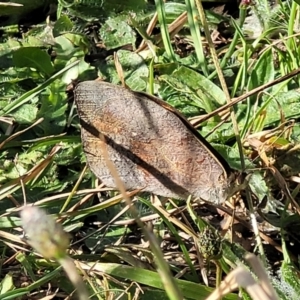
(189, 289)
(195, 32)
(161, 14)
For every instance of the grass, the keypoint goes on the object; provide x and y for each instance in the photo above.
(135, 245)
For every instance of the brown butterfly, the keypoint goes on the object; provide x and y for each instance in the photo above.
(152, 145)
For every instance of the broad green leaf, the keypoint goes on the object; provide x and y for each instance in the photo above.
(78, 40)
(116, 32)
(6, 284)
(53, 105)
(191, 87)
(34, 58)
(36, 38)
(262, 72)
(9, 222)
(232, 156)
(258, 185)
(290, 283)
(182, 101)
(284, 102)
(135, 70)
(62, 25)
(287, 283)
(14, 75)
(26, 114)
(82, 70)
(65, 50)
(70, 47)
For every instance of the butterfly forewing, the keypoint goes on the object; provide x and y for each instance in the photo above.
(152, 146)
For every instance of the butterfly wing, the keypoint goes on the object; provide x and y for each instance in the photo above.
(151, 146)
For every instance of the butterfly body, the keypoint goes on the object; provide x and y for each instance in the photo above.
(152, 146)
